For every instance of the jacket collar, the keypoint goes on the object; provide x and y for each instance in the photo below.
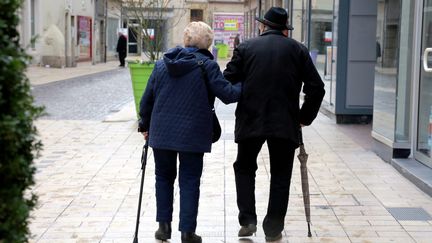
(272, 32)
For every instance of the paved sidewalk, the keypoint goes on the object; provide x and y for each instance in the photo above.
(43, 75)
(89, 173)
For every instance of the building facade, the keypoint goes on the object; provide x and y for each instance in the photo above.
(69, 31)
(402, 127)
(178, 15)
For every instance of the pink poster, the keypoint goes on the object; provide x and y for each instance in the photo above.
(226, 26)
(84, 37)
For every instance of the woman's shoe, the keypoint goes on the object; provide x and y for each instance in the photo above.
(273, 238)
(190, 237)
(247, 230)
(164, 231)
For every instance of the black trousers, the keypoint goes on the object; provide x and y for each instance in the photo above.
(281, 164)
(122, 56)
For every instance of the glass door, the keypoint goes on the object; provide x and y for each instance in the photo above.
(424, 132)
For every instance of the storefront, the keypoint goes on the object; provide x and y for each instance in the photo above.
(392, 91)
(402, 125)
(340, 37)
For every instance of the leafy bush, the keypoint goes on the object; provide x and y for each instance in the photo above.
(18, 142)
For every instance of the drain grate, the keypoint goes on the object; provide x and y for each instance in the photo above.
(417, 214)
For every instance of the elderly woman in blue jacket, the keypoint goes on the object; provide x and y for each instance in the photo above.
(176, 118)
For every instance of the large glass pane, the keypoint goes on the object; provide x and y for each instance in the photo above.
(112, 36)
(403, 100)
(424, 142)
(387, 44)
(322, 41)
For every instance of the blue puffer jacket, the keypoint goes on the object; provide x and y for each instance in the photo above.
(175, 107)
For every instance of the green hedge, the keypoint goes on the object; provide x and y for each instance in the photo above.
(18, 142)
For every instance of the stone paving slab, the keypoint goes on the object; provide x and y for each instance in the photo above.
(89, 173)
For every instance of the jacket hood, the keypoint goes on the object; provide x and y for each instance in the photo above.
(180, 61)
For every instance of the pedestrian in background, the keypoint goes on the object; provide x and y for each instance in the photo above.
(273, 68)
(236, 40)
(176, 117)
(121, 48)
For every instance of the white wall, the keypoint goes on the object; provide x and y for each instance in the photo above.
(52, 12)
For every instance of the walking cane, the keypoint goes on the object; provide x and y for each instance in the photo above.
(143, 166)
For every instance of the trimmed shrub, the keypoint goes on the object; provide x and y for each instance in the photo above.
(19, 144)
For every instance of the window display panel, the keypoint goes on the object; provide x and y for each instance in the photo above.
(323, 42)
(386, 68)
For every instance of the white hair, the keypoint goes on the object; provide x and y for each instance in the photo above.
(198, 34)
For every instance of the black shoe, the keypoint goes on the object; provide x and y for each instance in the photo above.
(190, 237)
(247, 230)
(273, 238)
(164, 231)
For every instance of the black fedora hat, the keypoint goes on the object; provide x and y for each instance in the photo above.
(276, 18)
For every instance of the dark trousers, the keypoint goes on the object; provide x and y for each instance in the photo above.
(281, 163)
(122, 56)
(191, 165)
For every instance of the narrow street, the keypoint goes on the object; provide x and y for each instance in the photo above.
(90, 97)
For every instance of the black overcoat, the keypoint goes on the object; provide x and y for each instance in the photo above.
(273, 69)
(121, 44)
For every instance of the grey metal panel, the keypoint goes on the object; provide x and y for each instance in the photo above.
(364, 7)
(362, 32)
(360, 85)
(411, 214)
(342, 56)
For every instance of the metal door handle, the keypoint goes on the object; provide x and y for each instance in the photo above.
(425, 60)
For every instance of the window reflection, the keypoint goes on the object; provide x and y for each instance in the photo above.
(388, 20)
(323, 42)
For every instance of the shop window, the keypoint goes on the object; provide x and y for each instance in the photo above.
(196, 15)
(322, 41)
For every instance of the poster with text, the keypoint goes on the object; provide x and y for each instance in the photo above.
(226, 26)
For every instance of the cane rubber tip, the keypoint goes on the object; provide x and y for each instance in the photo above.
(309, 234)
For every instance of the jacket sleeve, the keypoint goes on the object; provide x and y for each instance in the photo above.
(146, 104)
(118, 45)
(313, 88)
(219, 86)
(234, 68)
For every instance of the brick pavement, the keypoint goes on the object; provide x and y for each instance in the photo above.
(89, 173)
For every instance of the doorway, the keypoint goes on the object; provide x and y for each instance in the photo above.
(424, 123)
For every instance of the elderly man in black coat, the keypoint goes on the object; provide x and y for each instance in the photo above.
(122, 48)
(273, 68)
